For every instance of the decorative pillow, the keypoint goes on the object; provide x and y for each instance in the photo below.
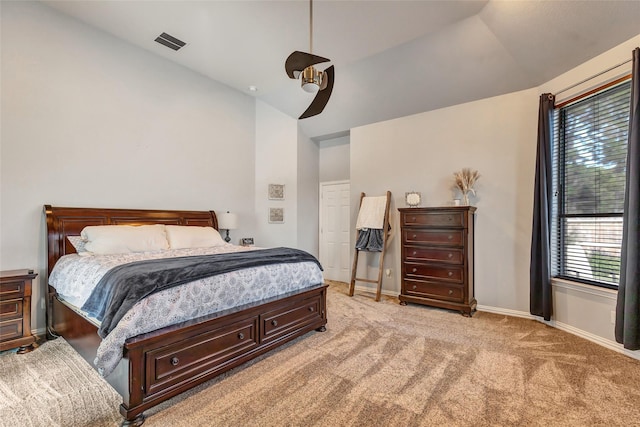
(121, 239)
(184, 236)
(78, 243)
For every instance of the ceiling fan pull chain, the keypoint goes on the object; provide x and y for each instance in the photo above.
(310, 26)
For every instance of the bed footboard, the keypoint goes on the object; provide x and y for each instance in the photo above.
(165, 363)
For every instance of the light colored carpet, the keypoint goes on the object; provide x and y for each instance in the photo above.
(378, 364)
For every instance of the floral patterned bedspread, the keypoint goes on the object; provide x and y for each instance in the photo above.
(74, 277)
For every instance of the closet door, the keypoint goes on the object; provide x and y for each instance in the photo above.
(335, 230)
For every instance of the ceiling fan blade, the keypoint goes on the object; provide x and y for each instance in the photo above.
(298, 61)
(322, 97)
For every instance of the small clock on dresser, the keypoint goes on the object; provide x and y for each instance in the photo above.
(412, 199)
(15, 310)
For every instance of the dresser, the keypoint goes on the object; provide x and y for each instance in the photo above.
(15, 310)
(437, 257)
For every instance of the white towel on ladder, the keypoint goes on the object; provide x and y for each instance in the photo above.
(371, 213)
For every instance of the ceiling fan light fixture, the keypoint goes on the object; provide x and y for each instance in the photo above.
(311, 79)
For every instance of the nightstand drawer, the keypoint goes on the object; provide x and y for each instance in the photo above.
(434, 219)
(11, 289)
(438, 272)
(434, 237)
(448, 255)
(10, 329)
(434, 290)
(11, 309)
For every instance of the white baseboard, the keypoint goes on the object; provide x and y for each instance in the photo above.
(612, 345)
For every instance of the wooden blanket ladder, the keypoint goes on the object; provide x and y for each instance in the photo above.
(385, 235)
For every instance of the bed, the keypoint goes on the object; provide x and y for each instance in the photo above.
(160, 364)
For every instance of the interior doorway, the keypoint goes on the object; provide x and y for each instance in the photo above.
(335, 230)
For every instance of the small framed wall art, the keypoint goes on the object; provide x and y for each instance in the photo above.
(276, 191)
(276, 215)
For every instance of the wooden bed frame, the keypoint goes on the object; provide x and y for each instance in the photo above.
(161, 364)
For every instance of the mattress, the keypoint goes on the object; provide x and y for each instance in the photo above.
(74, 277)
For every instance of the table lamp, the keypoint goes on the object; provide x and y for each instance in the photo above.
(228, 221)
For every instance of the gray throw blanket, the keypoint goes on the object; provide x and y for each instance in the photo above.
(123, 286)
(370, 239)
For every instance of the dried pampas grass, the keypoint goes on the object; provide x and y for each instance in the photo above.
(465, 180)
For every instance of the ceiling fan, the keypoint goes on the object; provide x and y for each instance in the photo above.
(312, 81)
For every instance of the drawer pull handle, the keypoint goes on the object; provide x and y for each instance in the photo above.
(450, 273)
(414, 287)
(450, 218)
(450, 237)
(414, 236)
(413, 219)
(450, 292)
(450, 255)
(175, 361)
(274, 322)
(415, 269)
(414, 252)
(241, 336)
(311, 308)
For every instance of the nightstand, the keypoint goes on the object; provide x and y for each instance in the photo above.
(15, 310)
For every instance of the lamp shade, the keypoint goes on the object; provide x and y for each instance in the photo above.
(228, 221)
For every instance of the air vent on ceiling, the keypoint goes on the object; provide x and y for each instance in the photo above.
(170, 41)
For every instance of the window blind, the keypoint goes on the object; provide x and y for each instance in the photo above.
(590, 150)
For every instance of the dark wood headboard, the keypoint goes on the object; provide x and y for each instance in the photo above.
(63, 222)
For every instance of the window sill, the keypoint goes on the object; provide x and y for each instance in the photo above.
(584, 288)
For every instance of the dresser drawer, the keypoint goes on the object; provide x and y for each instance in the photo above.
(434, 290)
(11, 289)
(180, 361)
(434, 219)
(434, 237)
(448, 255)
(449, 273)
(10, 329)
(281, 322)
(11, 309)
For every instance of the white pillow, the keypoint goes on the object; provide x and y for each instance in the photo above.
(184, 236)
(78, 243)
(121, 239)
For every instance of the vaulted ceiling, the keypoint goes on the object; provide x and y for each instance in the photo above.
(392, 58)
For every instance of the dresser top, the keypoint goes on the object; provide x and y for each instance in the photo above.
(439, 208)
(17, 274)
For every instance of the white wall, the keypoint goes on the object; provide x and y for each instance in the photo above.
(276, 163)
(88, 120)
(308, 194)
(334, 159)
(285, 155)
(422, 151)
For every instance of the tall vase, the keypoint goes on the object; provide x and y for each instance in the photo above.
(465, 199)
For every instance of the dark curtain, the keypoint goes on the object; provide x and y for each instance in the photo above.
(540, 269)
(628, 307)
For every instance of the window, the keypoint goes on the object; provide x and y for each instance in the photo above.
(589, 151)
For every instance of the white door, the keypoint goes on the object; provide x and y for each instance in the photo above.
(335, 230)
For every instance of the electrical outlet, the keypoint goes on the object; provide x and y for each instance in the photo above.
(388, 272)
(613, 317)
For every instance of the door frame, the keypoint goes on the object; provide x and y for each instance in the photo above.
(320, 213)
